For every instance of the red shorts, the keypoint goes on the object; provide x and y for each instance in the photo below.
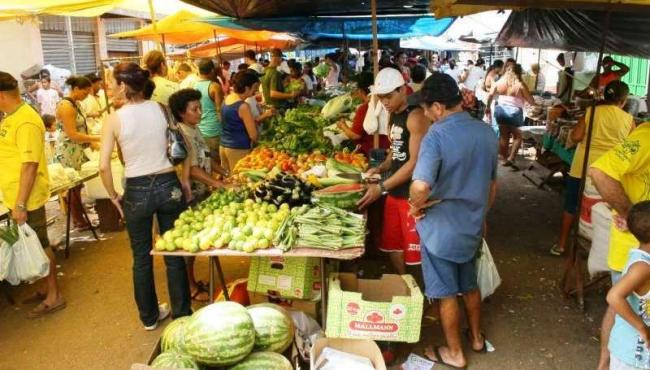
(399, 234)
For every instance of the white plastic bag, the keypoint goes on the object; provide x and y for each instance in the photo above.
(30, 263)
(486, 271)
(5, 260)
(601, 220)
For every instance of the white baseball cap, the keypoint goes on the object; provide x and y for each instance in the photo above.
(387, 81)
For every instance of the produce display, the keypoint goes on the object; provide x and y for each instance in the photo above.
(174, 360)
(264, 361)
(274, 328)
(173, 337)
(220, 334)
(343, 196)
(299, 131)
(284, 188)
(322, 226)
(338, 105)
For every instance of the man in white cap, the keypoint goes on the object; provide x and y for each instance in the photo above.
(407, 127)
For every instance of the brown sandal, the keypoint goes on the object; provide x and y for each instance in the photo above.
(37, 297)
(43, 309)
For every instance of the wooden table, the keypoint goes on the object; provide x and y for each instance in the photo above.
(323, 254)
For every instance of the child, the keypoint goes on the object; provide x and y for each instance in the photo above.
(51, 136)
(629, 343)
(47, 97)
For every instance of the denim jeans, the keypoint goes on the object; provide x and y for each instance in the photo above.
(144, 197)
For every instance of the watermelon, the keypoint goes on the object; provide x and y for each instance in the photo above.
(220, 334)
(174, 360)
(273, 327)
(343, 196)
(173, 337)
(264, 361)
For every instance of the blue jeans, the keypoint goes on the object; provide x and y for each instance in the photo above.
(509, 115)
(144, 197)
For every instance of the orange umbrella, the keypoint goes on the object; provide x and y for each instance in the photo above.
(231, 45)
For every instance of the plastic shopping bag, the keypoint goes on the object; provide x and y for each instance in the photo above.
(488, 276)
(30, 263)
(6, 257)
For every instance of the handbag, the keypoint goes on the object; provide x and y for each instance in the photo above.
(176, 145)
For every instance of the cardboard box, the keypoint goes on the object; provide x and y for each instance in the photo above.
(360, 347)
(292, 277)
(386, 309)
(310, 307)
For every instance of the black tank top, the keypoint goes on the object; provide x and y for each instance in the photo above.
(399, 144)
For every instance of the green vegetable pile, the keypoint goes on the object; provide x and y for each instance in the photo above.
(299, 131)
(323, 227)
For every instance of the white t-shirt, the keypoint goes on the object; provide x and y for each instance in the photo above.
(47, 100)
(333, 76)
(257, 68)
(255, 109)
(454, 73)
(308, 82)
(474, 75)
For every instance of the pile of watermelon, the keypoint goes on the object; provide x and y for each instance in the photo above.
(228, 334)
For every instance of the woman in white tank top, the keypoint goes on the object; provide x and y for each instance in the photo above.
(152, 189)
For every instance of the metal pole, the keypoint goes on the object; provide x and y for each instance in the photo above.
(216, 45)
(572, 258)
(152, 14)
(164, 47)
(68, 31)
(539, 59)
(375, 60)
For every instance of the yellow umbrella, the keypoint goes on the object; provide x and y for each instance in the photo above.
(182, 28)
(451, 8)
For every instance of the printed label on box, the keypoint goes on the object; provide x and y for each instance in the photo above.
(284, 282)
(266, 280)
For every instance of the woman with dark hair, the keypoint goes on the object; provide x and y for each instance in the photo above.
(310, 79)
(156, 64)
(611, 126)
(185, 105)
(239, 128)
(73, 139)
(509, 112)
(152, 189)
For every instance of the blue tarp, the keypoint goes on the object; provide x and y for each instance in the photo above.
(351, 28)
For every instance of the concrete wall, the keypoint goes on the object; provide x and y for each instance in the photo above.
(21, 45)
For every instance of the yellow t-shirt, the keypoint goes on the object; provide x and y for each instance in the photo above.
(611, 126)
(629, 163)
(22, 139)
(164, 89)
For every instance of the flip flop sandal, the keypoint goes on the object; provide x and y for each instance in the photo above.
(468, 334)
(440, 361)
(37, 297)
(556, 251)
(44, 309)
(428, 321)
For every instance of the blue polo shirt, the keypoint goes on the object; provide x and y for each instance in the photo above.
(458, 159)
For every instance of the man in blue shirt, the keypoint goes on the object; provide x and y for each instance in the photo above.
(452, 190)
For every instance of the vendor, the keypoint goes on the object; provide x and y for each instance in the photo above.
(94, 106)
(356, 132)
(211, 103)
(272, 88)
(611, 126)
(157, 67)
(185, 105)
(73, 139)
(609, 74)
(239, 127)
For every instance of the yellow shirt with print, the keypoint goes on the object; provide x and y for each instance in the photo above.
(164, 89)
(611, 126)
(629, 163)
(22, 140)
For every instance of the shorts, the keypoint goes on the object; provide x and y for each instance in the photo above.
(399, 234)
(230, 157)
(616, 364)
(37, 220)
(572, 195)
(444, 278)
(509, 115)
(616, 276)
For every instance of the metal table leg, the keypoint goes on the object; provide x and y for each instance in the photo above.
(323, 293)
(222, 280)
(211, 280)
(67, 225)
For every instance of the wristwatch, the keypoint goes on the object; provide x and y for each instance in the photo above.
(382, 188)
(21, 206)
